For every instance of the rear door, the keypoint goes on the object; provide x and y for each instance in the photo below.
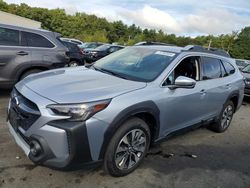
(12, 53)
(43, 52)
(216, 85)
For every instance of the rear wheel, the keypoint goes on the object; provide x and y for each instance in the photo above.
(29, 72)
(225, 118)
(127, 148)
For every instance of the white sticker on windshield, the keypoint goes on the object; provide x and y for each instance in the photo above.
(165, 53)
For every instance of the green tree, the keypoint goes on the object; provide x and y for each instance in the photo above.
(241, 47)
(91, 28)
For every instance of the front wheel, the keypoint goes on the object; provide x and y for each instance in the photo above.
(127, 148)
(225, 118)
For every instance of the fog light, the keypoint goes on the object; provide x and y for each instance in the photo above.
(35, 148)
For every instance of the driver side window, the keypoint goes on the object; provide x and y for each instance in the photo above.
(188, 67)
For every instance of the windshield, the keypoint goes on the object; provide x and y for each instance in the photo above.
(103, 47)
(136, 63)
(246, 69)
(85, 45)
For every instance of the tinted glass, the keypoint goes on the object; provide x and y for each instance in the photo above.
(139, 64)
(223, 70)
(241, 63)
(103, 47)
(211, 68)
(229, 68)
(71, 46)
(188, 67)
(35, 40)
(9, 37)
(246, 69)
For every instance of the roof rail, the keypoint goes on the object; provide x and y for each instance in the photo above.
(198, 48)
(145, 43)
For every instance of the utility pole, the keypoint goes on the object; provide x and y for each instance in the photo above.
(209, 45)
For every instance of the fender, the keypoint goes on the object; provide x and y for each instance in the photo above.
(23, 67)
(234, 93)
(147, 107)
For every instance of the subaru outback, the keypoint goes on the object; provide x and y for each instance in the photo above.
(113, 111)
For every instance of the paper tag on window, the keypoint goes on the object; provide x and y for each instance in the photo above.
(165, 53)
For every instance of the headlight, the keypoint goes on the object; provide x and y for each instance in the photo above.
(79, 112)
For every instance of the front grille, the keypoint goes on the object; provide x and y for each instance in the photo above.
(23, 112)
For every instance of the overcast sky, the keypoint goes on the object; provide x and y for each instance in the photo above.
(181, 17)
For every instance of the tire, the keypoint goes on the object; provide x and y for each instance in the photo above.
(120, 163)
(73, 64)
(225, 118)
(29, 72)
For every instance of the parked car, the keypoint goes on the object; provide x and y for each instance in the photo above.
(75, 54)
(241, 63)
(125, 102)
(246, 73)
(76, 41)
(26, 51)
(92, 55)
(90, 45)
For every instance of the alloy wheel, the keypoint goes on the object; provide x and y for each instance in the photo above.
(130, 149)
(227, 116)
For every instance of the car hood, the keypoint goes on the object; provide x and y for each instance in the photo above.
(77, 85)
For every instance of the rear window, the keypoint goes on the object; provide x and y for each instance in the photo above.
(35, 40)
(241, 63)
(211, 68)
(71, 46)
(75, 41)
(229, 68)
(9, 37)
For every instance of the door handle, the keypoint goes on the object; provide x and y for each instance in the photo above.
(22, 53)
(203, 92)
(228, 86)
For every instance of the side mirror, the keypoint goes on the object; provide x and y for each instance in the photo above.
(183, 82)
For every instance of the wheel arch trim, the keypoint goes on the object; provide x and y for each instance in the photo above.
(144, 107)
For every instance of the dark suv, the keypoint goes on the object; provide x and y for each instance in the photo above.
(25, 51)
(75, 54)
(92, 55)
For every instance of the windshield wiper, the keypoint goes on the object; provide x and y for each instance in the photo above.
(245, 71)
(110, 72)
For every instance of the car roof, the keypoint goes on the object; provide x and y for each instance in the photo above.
(32, 30)
(175, 49)
(188, 48)
(23, 28)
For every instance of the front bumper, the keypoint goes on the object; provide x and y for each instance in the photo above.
(63, 144)
(71, 141)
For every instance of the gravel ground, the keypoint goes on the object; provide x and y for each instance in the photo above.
(199, 158)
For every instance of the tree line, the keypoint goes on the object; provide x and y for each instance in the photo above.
(92, 28)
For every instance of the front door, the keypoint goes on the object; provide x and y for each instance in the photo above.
(183, 107)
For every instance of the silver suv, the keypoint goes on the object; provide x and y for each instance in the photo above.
(114, 110)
